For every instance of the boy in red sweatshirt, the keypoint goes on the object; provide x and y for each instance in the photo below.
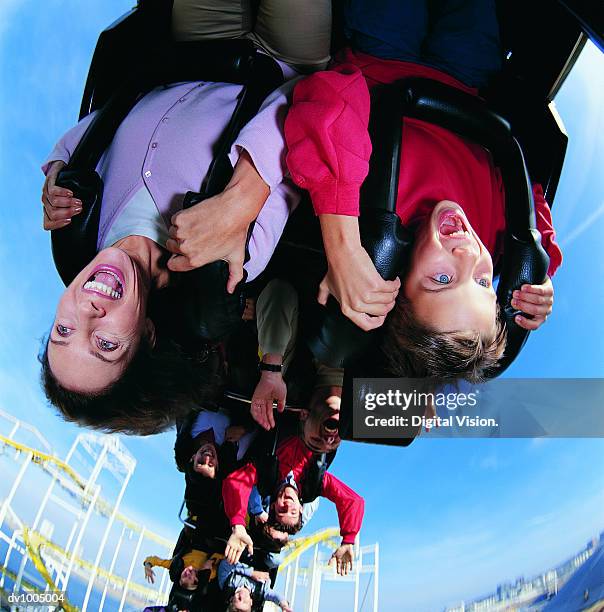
(294, 459)
(445, 321)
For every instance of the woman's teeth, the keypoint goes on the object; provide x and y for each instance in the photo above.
(96, 286)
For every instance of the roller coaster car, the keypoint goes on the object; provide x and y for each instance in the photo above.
(516, 123)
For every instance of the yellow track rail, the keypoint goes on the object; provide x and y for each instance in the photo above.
(30, 586)
(104, 507)
(300, 545)
(36, 542)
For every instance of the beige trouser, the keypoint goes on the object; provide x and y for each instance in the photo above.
(295, 31)
(277, 322)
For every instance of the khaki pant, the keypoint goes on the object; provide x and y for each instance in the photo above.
(295, 31)
(277, 321)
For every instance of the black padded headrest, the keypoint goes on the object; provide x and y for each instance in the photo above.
(338, 342)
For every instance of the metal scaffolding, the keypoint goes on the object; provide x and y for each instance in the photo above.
(316, 570)
(92, 492)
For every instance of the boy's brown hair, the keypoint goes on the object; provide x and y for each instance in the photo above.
(415, 350)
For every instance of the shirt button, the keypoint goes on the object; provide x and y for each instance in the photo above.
(165, 120)
(154, 145)
(182, 99)
(148, 173)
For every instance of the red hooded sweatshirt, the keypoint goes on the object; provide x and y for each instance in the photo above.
(293, 456)
(329, 150)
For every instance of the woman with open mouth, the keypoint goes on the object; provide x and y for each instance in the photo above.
(106, 364)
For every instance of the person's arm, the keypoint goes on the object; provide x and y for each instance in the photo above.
(328, 145)
(158, 562)
(271, 595)
(328, 154)
(263, 140)
(276, 315)
(217, 227)
(254, 505)
(546, 229)
(538, 300)
(59, 204)
(225, 569)
(350, 506)
(308, 511)
(263, 137)
(236, 489)
(65, 147)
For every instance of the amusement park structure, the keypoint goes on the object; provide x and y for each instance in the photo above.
(62, 530)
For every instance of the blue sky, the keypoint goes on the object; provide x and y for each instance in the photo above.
(453, 517)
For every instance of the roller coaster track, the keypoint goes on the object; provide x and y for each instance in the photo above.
(30, 586)
(36, 543)
(45, 461)
(33, 543)
(42, 459)
(298, 546)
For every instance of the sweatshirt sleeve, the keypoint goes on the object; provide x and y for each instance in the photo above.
(158, 562)
(308, 510)
(264, 140)
(546, 229)
(350, 507)
(224, 571)
(272, 596)
(64, 149)
(327, 138)
(236, 489)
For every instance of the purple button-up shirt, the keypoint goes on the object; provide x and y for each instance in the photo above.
(165, 144)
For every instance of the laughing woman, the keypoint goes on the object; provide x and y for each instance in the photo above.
(105, 364)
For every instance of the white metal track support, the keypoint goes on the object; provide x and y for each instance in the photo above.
(131, 569)
(376, 576)
(111, 566)
(103, 543)
(78, 541)
(294, 582)
(16, 483)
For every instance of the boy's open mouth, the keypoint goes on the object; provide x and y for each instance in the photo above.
(106, 281)
(452, 225)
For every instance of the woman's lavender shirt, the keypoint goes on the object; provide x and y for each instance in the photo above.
(165, 144)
